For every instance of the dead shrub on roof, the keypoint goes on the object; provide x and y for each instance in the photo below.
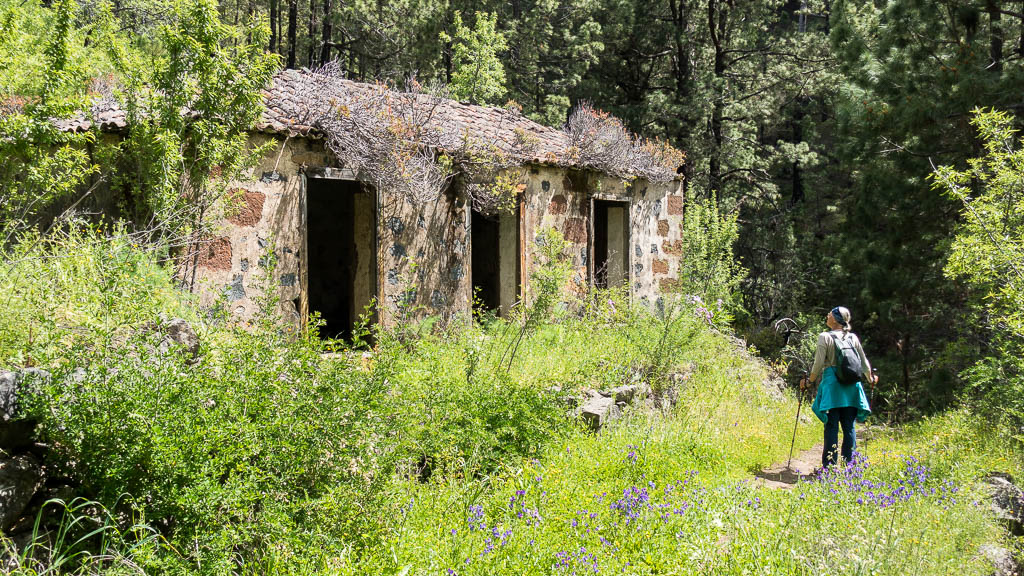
(395, 142)
(384, 135)
(600, 141)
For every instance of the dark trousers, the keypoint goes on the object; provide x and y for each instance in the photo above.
(845, 417)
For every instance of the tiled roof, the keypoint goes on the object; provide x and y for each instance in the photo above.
(290, 96)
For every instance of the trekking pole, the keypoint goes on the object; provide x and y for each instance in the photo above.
(800, 404)
(871, 388)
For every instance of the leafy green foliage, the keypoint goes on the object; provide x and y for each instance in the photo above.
(989, 245)
(77, 286)
(987, 253)
(41, 164)
(265, 455)
(478, 75)
(190, 110)
(708, 268)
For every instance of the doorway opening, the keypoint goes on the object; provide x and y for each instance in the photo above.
(494, 242)
(611, 243)
(341, 251)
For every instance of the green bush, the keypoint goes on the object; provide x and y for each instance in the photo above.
(79, 287)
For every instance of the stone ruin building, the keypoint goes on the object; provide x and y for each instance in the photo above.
(340, 243)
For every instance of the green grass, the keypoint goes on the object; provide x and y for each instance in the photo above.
(264, 457)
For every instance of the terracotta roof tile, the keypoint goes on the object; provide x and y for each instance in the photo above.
(288, 103)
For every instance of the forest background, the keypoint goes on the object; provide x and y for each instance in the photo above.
(821, 126)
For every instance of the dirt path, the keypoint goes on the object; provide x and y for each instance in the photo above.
(778, 476)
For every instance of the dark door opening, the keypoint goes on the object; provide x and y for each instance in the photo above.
(494, 242)
(611, 243)
(340, 240)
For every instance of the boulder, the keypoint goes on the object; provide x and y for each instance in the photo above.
(1007, 501)
(8, 395)
(629, 393)
(16, 433)
(598, 410)
(47, 505)
(20, 478)
(1002, 560)
(177, 332)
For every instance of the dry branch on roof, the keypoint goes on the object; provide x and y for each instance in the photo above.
(406, 142)
(600, 141)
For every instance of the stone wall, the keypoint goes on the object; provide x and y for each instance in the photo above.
(423, 255)
(422, 246)
(422, 258)
(562, 199)
(264, 219)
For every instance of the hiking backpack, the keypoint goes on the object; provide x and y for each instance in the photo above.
(848, 366)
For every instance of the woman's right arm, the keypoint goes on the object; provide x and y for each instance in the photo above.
(819, 357)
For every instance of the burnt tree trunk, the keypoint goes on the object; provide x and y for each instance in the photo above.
(995, 34)
(293, 15)
(312, 34)
(717, 18)
(274, 18)
(325, 28)
(683, 79)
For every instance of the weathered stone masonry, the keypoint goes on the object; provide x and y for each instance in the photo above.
(422, 255)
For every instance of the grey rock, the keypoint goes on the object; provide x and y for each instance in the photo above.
(8, 395)
(629, 393)
(456, 273)
(63, 492)
(177, 332)
(236, 289)
(598, 411)
(1007, 501)
(20, 478)
(1002, 560)
(35, 376)
(16, 433)
(437, 299)
(395, 224)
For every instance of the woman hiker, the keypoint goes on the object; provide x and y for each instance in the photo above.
(838, 404)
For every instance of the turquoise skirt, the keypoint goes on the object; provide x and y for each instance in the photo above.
(832, 394)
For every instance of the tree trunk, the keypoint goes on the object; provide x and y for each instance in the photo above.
(274, 18)
(798, 136)
(325, 28)
(717, 17)
(995, 35)
(293, 16)
(312, 33)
